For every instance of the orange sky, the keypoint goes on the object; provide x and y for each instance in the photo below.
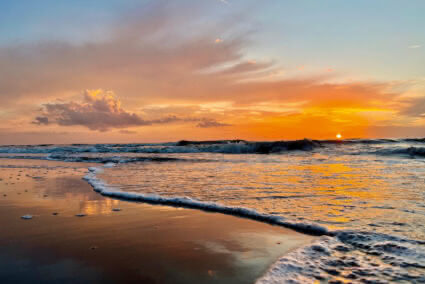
(151, 79)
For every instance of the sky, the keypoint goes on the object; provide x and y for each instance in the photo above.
(117, 71)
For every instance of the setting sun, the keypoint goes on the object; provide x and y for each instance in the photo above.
(160, 113)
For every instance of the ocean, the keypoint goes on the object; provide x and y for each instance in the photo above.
(363, 197)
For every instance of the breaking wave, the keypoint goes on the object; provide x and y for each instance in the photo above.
(408, 151)
(411, 147)
(221, 146)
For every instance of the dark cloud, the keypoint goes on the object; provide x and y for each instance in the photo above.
(41, 120)
(99, 111)
(102, 111)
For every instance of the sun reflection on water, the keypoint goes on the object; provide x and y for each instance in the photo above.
(338, 191)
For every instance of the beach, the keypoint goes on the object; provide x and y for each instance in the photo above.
(115, 241)
(217, 141)
(214, 211)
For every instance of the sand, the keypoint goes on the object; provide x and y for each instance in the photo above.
(115, 241)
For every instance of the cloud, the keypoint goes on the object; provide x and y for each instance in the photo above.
(414, 46)
(149, 51)
(98, 111)
(208, 123)
(414, 107)
(41, 120)
(102, 111)
(151, 58)
(154, 57)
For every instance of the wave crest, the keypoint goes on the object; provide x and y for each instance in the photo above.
(407, 151)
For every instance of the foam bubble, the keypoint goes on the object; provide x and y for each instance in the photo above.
(110, 191)
(351, 257)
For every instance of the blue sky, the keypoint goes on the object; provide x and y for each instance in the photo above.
(368, 39)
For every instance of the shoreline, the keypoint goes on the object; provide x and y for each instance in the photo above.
(141, 242)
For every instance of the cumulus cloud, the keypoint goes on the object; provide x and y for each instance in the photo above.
(98, 111)
(102, 110)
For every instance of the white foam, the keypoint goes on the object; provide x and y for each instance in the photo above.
(298, 266)
(352, 256)
(110, 191)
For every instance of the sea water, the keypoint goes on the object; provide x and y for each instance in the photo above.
(365, 198)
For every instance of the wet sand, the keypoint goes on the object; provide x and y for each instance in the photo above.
(140, 243)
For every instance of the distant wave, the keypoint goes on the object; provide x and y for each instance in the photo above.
(113, 159)
(420, 140)
(221, 146)
(412, 147)
(102, 160)
(407, 151)
(361, 141)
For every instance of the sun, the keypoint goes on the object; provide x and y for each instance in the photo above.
(338, 136)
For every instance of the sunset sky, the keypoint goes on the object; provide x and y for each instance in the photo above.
(150, 71)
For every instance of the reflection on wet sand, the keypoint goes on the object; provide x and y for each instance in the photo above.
(54, 188)
(141, 243)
